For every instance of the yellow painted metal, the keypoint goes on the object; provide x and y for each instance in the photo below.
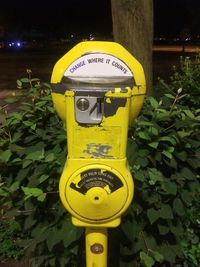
(110, 48)
(112, 133)
(96, 247)
(98, 205)
(96, 185)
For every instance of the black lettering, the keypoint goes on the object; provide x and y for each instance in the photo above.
(78, 65)
(95, 60)
(120, 67)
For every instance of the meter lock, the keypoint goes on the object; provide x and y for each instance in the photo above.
(89, 109)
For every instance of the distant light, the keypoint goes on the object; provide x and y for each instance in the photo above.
(18, 44)
(10, 44)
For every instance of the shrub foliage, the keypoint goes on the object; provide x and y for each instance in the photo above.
(161, 227)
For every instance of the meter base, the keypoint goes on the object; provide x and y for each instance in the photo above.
(112, 224)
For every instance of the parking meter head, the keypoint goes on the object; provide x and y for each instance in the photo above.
(98, 89)
(97, 66)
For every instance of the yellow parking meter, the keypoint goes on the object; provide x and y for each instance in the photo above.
(98, 90)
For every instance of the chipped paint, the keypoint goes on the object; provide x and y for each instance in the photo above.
(110, 108)
(98, 150)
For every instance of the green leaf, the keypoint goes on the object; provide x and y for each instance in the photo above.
(144, 123)
(168, 139)
(29, 222)
(143, 152)
(188, 174)
(168, 252)
(5, 156)
(26, 190)
(14, 187)
(153, 102)
(3, 192)
(51, 109)
(11, 99)
(170, 187)
(166, 212)
(16, 136)
(35, 155)
(26, 163)
(163, 230)
(189, 114)
(69, 232)
(169, 96)
(154, 145)
(177, 228)
(143, 135)
(152, 215)
(35, 80)
(178, 207)
(52, 261)
(43, 178)
(19, 83)
(158, 257)
(167, 154)
(34, 192)
(130, 228)
(153, 131)
(139, 176)
(50, 157)
(30, 124)
(183, 133)
(24, 80)
(154, 176)
(42, 197)
(146, 260)
(186, 196)
(182, 155)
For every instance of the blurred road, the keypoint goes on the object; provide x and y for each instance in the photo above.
(13, 64)
(177, 48)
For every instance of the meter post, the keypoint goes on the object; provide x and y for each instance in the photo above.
(98, 90)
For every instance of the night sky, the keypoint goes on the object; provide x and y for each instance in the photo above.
(173, 16)
(58, 17)
(63, 17)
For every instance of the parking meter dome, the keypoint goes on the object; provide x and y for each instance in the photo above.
(99, 67)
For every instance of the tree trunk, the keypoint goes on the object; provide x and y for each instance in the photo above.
(133, 28)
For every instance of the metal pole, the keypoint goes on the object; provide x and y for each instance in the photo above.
(96, 247)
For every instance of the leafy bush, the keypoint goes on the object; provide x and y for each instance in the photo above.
(32, 154)
(165, 140)
(188, 78)
(9, 231)
(161, 227)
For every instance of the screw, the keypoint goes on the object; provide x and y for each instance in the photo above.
(97, 248)
(82, 104)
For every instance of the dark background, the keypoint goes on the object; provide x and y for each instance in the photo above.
(63, 17)
(57, 18)
(51, 21)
